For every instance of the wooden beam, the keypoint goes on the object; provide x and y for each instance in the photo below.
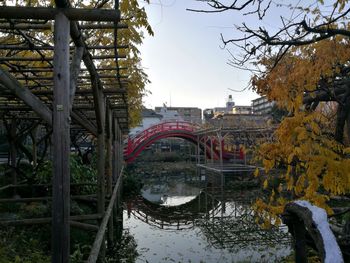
(44, 185)
(2, 59)
(49, 13)
(46, 220)
(80, 85)
(102, 76)
(107, 91)
(15, 108)
(83, 107)
(26, 96)
(74, 73)
(84, 123)
(108, 47)
(97, 102)
(48, 26)
(83, 226)
(96, 83)
(119, 107)
(119, 115)
(41, 198)
(33, 47)
(49, 69)
(61, 143)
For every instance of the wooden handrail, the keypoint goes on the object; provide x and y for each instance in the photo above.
(95, 250)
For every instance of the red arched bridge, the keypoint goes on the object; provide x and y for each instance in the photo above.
(179, 129)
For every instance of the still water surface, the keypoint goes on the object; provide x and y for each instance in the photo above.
(175, 221)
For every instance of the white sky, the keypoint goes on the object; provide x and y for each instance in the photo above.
(185, 60)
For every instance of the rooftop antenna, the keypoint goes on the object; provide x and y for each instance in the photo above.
(170, 99)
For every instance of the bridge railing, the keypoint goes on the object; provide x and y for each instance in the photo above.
(159, 128)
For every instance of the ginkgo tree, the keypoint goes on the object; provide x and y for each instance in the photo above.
(133, 15)
(136, 19)
(304, 66)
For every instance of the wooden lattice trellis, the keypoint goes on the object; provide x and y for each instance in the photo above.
(64, 83)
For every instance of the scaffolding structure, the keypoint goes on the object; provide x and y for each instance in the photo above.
(232, 144)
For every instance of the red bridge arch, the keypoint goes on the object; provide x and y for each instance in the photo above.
(179, 129)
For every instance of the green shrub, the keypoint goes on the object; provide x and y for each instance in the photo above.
(79, 173)
(131, 184)
(23, 246)
(124, 251)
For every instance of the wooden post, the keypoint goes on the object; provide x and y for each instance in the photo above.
(117, 151)
(198, 158)
(198, 151)
(33, 135)
(205, 150)
(13, 153)
(109, 170)
(120, 151)
(221, 162)
(119, 214)
(61, 143)
(109, 150)
(114, 151)
(101, 171)
(120, 159)
(211, 150)
(101, 137)
(115, 165)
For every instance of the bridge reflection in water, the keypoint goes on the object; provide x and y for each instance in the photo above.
(212, 227)
(172, 217)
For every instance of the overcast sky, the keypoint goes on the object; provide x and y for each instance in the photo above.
(185, 60)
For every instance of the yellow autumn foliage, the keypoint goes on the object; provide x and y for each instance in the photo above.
(300, 71)
(133, 15)
(314, 166)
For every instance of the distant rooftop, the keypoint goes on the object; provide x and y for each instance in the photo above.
(149, 113)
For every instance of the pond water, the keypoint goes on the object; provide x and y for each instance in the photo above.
(177, 221)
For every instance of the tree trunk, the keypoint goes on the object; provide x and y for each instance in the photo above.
(342, 115)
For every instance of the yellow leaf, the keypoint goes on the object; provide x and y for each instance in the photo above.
(266, 183)
(256, 172)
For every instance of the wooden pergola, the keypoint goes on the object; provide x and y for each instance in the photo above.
(67, 87)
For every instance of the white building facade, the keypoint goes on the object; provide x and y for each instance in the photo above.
(150, 118)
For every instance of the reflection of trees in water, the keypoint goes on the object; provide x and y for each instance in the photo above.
(233, 224)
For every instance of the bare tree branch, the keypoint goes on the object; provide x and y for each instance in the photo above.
(219, 7)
